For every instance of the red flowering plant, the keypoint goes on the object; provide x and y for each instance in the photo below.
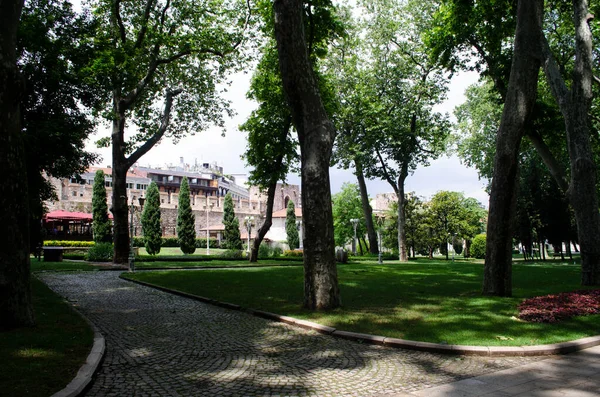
(554, 308)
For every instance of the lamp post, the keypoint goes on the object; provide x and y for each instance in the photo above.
(355, 225)
(248, 221)
(379, 221)
(131, 253)
(299, 227)
(208, 208)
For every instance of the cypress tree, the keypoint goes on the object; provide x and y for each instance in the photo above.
(151, 220)
(186, 230)
(293, 239)
(231, 235)
(101, 224)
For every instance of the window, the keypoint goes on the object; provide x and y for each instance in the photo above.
(108, 183)
(74, 193)
(141, 186)
(129, 185)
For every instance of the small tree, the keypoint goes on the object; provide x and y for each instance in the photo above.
(151, 220)
(101, 224)
(186, 231)
(293, 239)
(231, 235)
(478, 246)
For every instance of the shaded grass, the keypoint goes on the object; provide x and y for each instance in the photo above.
(433, 301)
(217, 263)
(37, 266)
(43, 359)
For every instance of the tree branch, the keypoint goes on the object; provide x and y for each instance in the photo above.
(164, 124)
(386, 174)
(596, 79)
(142, 33)
(548, 158)
(554, 78)
(120, 25)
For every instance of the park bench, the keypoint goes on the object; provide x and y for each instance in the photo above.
(55, 254)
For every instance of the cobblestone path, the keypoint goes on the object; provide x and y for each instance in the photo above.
(160, 344)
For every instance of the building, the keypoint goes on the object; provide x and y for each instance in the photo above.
(208, 187)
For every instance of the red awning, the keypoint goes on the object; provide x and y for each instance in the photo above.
(70, 216)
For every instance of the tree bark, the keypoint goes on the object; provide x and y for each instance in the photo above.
(575, 106)
(316, 134)
(264, 229)
(367, 210)
(15, 289)
(402, 253)
(520, 99)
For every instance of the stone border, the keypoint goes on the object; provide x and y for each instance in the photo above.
(489, 351)
(92, 363)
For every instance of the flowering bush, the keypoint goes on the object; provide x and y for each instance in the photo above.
(554, 308)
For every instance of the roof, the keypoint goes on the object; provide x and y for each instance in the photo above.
(67, 215)
(282, 213)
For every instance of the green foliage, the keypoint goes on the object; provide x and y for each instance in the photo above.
(68, 243)
(264, 251)
(347, 205)
(277, 251)
(231, 235)
(151, 226)
(212, 242)
(186, 221)
(102, 226)
(293, 253)
(478, 246)
(100, 252)
(232, 254)
(291, 230)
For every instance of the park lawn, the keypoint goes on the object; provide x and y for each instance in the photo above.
(41, 360)
(171, 251)
(37, 266)
(434, 301)
(216, 263)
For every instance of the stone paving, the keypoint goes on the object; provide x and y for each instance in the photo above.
(159, 344)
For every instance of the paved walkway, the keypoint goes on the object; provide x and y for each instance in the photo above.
(159, 344)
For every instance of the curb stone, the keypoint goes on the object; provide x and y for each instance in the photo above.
(87, 371)
(489, 351)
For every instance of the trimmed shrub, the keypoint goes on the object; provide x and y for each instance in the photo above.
(212, 242)
(101, 225)
(171, 242)
(186, 221)
(264, 251)
(68, 243)
(293, 253)
(478, 247)
(277, 251)
(101, 252)
(232, 254)
(293, 239)
(151, 220)
(231, 234)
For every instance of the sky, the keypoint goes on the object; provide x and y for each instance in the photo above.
(446, 173)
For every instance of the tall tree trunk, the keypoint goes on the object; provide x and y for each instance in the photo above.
(316, 134)
(520, 99)
(575, 106)
(119, 193)
(15, 290)
(367, 210)
(264, 229)
(402, 253)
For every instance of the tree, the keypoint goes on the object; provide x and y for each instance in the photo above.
(151, 227)
(520, 99)
(15, 290)
(53, 47)
(231, 235)
(347, 205)
(316, 134)
(186, 221)
(100, 222)
(293, 239)
(165, 53)
(449, 215)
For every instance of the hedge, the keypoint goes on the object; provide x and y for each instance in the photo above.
(173, 242)
(68, 243)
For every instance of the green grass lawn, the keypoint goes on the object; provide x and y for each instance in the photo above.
(171, 251)
(42, 360)
(433, 301)
(37, 266)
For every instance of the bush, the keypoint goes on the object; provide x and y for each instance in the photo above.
(554, 308)
(264, 251)
(341, 255)
(68, 243)
(458, 247)
(293, 253)
(169, 242)
(232, 254)
(101, 252)
(277, 251)
(478, 247)
(212, 242)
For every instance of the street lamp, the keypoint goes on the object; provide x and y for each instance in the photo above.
(379, 221)
(299, 227)
(131, 253)
(355, 225)
(248, 221)
(208, 208)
